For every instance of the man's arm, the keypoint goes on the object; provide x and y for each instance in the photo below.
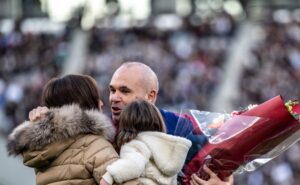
(188, 128)
(199, 140)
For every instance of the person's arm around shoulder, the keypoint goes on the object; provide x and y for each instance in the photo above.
(38, 113)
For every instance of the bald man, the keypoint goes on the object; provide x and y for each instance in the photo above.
(135, 80)
(131, 81)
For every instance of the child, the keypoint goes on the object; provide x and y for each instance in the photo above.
(69, 145)
(146, 151)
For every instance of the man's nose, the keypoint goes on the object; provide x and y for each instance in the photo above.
(115, 97)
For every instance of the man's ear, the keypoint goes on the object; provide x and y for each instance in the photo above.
(152, 95)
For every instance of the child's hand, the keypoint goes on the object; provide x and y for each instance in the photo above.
(103, 182)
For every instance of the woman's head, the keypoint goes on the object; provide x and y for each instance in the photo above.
(137, 117)
(79, 89)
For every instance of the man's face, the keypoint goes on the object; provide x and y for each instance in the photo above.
(125, 86)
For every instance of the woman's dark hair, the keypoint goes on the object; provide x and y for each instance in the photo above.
(137, 117)
(79, 89)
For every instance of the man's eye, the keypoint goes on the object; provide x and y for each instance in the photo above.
(125, 91)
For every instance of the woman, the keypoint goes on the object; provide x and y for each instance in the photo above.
(70, 144)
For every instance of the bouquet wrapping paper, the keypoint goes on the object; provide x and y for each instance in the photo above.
(274, 126)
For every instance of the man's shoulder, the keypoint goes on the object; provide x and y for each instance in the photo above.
(175, 116)
(166, 113)
(175, 122)
(170, 118)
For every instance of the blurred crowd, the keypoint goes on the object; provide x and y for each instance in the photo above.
(274, 69)
(27, 62)
(189, 62)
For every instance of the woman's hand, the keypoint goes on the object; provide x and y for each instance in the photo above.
(213, 180)
(38, 113)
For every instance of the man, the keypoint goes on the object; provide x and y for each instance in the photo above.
(135, 80)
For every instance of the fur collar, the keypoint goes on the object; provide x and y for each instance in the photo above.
(59, 124)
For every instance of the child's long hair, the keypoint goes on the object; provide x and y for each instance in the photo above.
(137, 117)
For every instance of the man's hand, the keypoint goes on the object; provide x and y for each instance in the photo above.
(235, 112)
(213, 180)
(38, 113)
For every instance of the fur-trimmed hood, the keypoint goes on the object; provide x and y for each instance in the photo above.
(154, 156)
(59, 124)
(168, 152)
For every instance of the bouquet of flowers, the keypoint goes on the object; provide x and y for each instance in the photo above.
(244, 142)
